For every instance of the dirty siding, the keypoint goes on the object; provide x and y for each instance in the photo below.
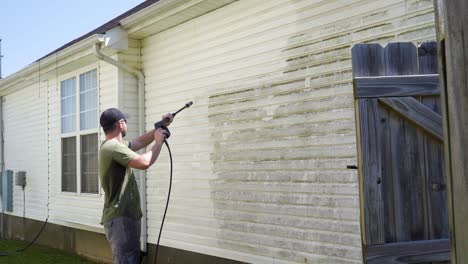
(260, 157)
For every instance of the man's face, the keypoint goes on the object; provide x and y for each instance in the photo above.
(124, 127)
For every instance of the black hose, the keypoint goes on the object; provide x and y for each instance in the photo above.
(7, 253)
(167, 203)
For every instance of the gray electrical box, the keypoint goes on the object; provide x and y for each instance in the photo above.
(20, 178)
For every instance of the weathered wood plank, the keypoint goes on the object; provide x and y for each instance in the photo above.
(434, 153)
(436, 189)
(406, 162)
(395, 86)
(427, 58)
(370, 165)
(454, 58)
(409, 252)
(395, 136)
(368, 60)
(388, 165)
(401, 59)
(410, 205)
(436, 179)
(417, 113)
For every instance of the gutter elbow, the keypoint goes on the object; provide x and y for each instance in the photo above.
(97, 51)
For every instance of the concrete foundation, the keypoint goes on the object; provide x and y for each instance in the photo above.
(91, 245)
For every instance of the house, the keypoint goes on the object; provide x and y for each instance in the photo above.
(259, 159)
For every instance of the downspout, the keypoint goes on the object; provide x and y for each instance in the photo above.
(141, 129)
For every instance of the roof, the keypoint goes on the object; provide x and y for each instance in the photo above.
(103, 28)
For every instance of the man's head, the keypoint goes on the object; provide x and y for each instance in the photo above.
(112, 119)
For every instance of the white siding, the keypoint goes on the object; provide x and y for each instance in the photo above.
(108, 86)
(128, 96)
(25, 115)
(260, 157)
(116, 89)
(71, 208)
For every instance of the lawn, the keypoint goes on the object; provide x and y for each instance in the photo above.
(36, 254)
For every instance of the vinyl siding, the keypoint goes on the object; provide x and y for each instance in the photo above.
(260, 158)
(128, 86)
(116, 89)
(72, 208)
(25, 115)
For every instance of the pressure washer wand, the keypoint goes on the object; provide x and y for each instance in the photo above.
(187, 105)
(163, 123)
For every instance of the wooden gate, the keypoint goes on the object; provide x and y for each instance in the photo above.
(400, 154)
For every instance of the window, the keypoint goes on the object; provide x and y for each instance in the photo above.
(69, 164)
(89, 163)
(79, 130)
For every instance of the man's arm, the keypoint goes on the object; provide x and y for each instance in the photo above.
(145, 160)
(142, 141)
(145, 139)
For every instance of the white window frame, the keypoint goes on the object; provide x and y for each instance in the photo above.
(78, 133)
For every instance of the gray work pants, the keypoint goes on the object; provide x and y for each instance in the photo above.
(123, 234)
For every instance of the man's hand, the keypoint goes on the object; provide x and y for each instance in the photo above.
(159, 136)
(168, 118)
(145, 160)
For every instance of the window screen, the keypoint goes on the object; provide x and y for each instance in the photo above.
(68, 105)
(69, 164)
(88, 100)
(89, 163)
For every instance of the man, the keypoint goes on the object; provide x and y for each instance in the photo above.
(122, 213)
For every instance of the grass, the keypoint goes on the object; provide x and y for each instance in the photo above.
(36, 254)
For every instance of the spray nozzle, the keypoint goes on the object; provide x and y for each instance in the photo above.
(165, 122)
(187, 105)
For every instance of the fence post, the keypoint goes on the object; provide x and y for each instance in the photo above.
(452, 29)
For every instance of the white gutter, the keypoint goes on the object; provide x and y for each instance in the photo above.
(141, 128)
(161, 10)
(48, 63)
(160, 6)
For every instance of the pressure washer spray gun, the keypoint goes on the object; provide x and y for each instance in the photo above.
(165, 122)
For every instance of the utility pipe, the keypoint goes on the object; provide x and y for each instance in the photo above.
(141, 128)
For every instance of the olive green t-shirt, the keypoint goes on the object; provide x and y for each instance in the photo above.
(118, 181)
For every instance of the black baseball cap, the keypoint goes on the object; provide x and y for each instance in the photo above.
(110, 117)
